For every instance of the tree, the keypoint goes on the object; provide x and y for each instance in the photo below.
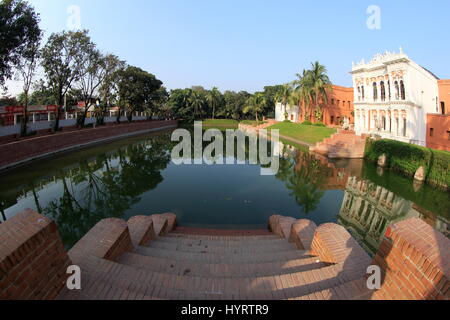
(62, 59)
(283, 96)
(303, 92)
(26, 70)
(138, 90)
(214, 99)
(19, 30)
(320, 86)
(8, 101)
(196, 103)
(255, 104)
(108, 91)
(96, 68)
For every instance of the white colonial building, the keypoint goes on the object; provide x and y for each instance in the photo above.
(286, 112)
(393, 95)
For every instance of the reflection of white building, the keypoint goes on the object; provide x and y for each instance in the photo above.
(367, 210)
(287, 112)
(393, 95)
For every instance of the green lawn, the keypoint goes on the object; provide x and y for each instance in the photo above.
(305, 133)
(219, 122)
(253, 123)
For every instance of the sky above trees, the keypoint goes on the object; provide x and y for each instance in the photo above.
(246, 45)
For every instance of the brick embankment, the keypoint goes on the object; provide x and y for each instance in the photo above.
(22, 151)
(33, 261)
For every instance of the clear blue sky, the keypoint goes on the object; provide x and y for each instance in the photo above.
(247, 44)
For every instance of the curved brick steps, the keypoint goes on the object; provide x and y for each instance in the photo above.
(193, 268)
(341, 145)
(217, 247)
(209, 257)
(269, 237)
(106, 277)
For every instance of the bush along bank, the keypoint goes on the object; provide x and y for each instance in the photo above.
(408, 158)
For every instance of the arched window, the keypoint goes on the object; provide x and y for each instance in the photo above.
(362, 92)
(397, 90)
(359, 94)
(375, 91)
(389, 89)
(383, 91)
(402, 90)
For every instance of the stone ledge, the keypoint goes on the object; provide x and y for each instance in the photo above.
(108, 239)
(302, 234)
(415, 262)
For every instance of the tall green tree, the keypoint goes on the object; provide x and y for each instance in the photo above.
(138, 90)
(19, 30)
(284, 96)
(63, 58)
(197, 104)
(255, 104)
(214, 98)
(320, 85)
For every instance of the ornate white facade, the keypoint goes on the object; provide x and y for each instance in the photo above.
(393, 95)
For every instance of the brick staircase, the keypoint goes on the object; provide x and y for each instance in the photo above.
(166, 263)
(344, 144)
(149, 258)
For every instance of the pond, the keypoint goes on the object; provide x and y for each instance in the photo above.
(135, 176)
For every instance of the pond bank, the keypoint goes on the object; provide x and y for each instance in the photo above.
(24, 151)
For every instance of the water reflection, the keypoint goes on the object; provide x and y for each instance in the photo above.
(136, 176)
(368, 209)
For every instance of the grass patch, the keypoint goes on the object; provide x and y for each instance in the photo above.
(253, 123)
(220, 122)
(301, 132)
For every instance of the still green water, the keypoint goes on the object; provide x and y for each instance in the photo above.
(136, 177)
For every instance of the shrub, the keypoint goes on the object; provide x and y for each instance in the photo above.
(307, 123)
(407, 158)
(319, 124)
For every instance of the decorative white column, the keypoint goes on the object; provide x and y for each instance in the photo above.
(34, 117)
(49, 118)
(15, 119)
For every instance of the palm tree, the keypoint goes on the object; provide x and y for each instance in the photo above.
(303, 92)
(255, 104)
(196, 102)
(214, 98)
(320, 85)
(284, 96)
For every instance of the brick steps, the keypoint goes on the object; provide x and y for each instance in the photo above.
(107, 276)
(218, 258)
(194, 268)
(229, 243)
(269, 237)
(341, 145)
(236, 247)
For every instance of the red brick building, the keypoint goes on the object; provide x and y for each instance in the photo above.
(438, 125)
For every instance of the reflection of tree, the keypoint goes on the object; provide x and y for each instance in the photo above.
(304, 176)
(98, 189)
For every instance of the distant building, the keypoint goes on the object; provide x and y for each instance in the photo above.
(393, 96)
(337, 112)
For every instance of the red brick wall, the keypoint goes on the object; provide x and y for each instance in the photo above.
(33, 261)
(340, 105)
(444, 95)
(440, 138)
(25, 149)
(415, 262)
